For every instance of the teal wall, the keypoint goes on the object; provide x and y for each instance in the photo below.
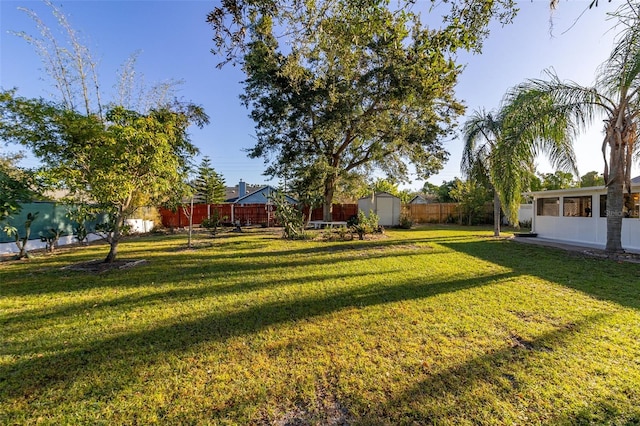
(50, 215)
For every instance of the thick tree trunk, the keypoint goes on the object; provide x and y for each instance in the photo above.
(615, 201)
(327, 206)
(496, 214)
(617, 140)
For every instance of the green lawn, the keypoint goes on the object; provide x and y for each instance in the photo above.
(426, 326)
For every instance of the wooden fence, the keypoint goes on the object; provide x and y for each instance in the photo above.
(258, 214)
(432, 213)
(245, 214)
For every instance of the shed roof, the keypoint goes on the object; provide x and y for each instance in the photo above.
(381, 194)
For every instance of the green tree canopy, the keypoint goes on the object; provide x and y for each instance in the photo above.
(107, 153)
(557, 180)
(368, 88)
(106, 161)
(593, 178)
(17, 186)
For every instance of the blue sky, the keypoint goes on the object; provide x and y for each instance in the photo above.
(175, 43)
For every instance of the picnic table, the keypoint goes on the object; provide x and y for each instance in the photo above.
(320, 224)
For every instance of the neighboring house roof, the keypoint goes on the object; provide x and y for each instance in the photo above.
(232, 192)
(261, 196)
(418, 199)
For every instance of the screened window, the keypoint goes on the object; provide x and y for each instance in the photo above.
(548, 206)
(630, 208)
(576, 206)
(631, 205)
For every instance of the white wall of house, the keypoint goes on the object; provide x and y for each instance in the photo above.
(139, 226)
(585, 230)
(525, 213)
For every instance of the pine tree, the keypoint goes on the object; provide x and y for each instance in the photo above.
(209, 184)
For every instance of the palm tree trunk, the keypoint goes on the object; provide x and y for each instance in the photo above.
(615, 199)
(496, 214)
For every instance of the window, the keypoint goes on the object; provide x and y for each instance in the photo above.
(548, 206)
(630, 207)
(576, 206)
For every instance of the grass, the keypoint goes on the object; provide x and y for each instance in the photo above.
(438, 325)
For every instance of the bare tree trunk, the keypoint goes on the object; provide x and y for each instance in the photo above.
(496, 214)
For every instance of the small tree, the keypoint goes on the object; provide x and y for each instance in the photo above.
(288, 216)
(472, 198)
(365, 224)
(21, 241)
(208, 184)
(111, 152)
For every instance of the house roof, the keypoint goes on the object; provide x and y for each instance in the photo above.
(261, 196)
(635, 184)
(418, 198)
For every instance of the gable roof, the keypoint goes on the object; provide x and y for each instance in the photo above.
(418, 199)
(261, 196)
(382, 194)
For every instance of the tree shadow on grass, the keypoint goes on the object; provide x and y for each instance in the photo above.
(464, 392)
(190, 267)
(33, 377)
(602, 279)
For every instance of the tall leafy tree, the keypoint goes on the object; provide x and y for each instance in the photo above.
(109, 161)
(615, 97)
(108, 153)
(208, 184)
(368, 88)
(231, 20)
(593, 178)
(16, 186)
(557, 180)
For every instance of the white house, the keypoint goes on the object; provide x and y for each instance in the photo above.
(578, 215)
(386, 206)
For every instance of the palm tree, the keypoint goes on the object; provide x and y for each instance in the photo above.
(481, 133)
(615, 97)
(500, 149)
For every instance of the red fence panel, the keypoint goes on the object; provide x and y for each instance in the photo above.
(245, 214)
(339, 212)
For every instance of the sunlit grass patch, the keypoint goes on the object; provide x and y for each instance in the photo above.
(433, 325)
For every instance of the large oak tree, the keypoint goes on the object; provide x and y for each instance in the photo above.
(359, 86)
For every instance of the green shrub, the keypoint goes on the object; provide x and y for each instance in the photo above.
(405, 221)
(366, 225)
